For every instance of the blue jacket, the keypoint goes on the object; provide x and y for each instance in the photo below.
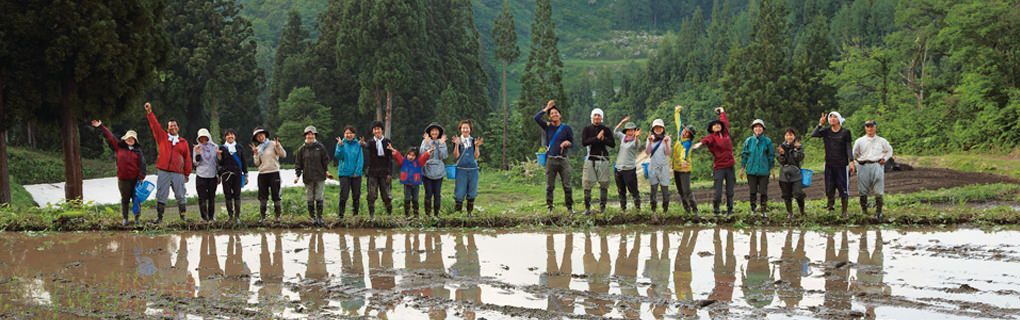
(758, 155)
(567, 134)
(351, 157)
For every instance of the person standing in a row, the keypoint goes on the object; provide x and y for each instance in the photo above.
(267, 154)
(351, 158)
(871, 152)
(560, 137)
(312, 162)
(379, 169)
(435, 169)
(758, 160)
(173, 164)
(466, 151)
(130, 167)
(720, 145)
(838, 155)
(206, 167)
(596, 138)
(657, 147)
(626, 162)
(682, 162)
(233, 174)
(790, 157)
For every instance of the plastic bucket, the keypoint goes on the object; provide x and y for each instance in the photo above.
(805, 177)
(645, 166)
(451, 171)
(541, 158)
(142, 192)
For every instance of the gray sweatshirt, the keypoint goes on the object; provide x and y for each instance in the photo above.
(206, 162)
(435, 168)
(625, 159)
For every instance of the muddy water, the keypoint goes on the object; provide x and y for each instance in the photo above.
(619, 273)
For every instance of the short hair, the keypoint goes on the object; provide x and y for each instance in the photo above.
(791, 130)
(467, 122)
(174, 120)
(229, 131)
(411, 150)
(351, 129)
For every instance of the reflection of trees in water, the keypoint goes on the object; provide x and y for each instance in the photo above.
(836, 284)
(271, 274)
(467, 265)
(792, 268)
(626, 274)
(756, 282)
(352, 274)
(598, 271)
(316, 276)
(725, 268)
(870, 272)
(657, 270)
(209, 272)
(682, 270)
(558, 275)
(380, 273)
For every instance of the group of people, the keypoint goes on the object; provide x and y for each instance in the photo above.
(225, 164)
(425, 165)
(667, 159)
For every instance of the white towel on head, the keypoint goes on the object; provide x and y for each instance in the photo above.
(838, 116)
(598, 112)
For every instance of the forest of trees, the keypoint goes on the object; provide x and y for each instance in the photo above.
(937, 75)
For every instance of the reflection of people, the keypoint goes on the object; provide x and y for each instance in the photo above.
(467, 265)
(352, 273)
(236, 271)
(315, 274)
(598, 270)
(208, 268)
(793, 267)
(657, 270)
(558, 276)
(434, 263)
(725, 272)
(869, 272)
(626, 275)
(682, 269)
(836, 295)
(380, 267)
(757, 280)
(271, 274)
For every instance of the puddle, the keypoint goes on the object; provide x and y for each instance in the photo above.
(647, 273)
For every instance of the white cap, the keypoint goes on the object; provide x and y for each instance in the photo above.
(204, 133)
(658, 123)
(757, 122)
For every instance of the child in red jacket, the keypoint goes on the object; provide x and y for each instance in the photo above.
(721, 146)
(410, 176)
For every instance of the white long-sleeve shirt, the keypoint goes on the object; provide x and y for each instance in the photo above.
(872, 149)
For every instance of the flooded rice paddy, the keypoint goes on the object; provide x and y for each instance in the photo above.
(646, 273)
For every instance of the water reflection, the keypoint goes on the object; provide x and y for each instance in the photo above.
(630, 273)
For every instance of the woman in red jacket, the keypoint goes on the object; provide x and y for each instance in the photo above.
(130, 166)
(721, 146)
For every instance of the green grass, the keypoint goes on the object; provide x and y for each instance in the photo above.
(31, 167)
(20, 198)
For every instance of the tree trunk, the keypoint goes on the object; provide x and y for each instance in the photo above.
(5, 179)
(29, 132)
(389, 111)
(69, 135)
(504, 115)
(378, 103)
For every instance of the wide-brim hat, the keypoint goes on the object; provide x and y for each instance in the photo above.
(130, 134)
(203, 133)
(758, 122)
(691, 129)
(658, 123)
(434, 125)
(256, 132)
(311, 129)
(629, 126)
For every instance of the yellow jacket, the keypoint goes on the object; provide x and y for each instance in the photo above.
(681, 149)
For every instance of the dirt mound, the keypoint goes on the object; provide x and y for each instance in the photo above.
(920, 178)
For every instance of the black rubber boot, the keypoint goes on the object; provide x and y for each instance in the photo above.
(311, 211)
(230, 209)
(764, 206)
(587, 202)
(262, 211)
(754, 204)
(341, 209)
(623, 202)
(715, 207)
(160, 207)
(435, 209)
(603, 199)
(138, 219)
(845, 201)
(428, 207)
(789, 208)
(407, 209)
(182, 209)
(800, 203)
(687, 208)
(637, 203)
(471, 207)
(548, 204)
(389, 208)
(124, 212)
(415, 204)
(458, 206)
(212, 209)
(878, 207)
(237, 210)
(729, 206)
(371, 212)
(665, 199)
(652, 195)
(320, 205)
(830, 204)
(569, 201)
(277, 210)
(864, 205)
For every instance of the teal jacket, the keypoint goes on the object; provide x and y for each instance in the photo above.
(352, 160)
(758, 156)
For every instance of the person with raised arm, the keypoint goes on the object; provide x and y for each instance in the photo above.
(173, 164)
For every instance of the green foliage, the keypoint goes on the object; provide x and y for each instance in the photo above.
(289, 65)
(301, 109)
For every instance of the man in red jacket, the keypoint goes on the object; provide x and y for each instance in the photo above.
(173, 164)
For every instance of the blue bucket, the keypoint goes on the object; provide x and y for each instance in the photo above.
(645, 165)
(451, 171)
(805, 175)
(142, 191)
(541, 158)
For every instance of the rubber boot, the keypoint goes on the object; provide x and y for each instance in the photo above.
(845, 201)
(789, 208)
(407, 209)
(603, 199)
(800, 203)
(237, 210)
(651, 196)
(637, 203)
(548, 204)
(435, 210)
(471, 207)
(428, 207)
(340, 211)
(202, 211)
(878, 207)
(212, 209)
(138, 219)
(160, 207)
(687, 208)
(569, 200)
(230, 209)
(864, 205)
(415, 204)
(262, 211)
(665, 199)
(729, 206)
(754, 204)
(355, 207)
(311, 211)
(124, 212)
(715, 207)
(182, 209)
(764, 206)
(587, 202)
(830, 204)
(458, 206)
(389, 208)
(623, 202)
(320, 205)
(277, 210)
(371, 212)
